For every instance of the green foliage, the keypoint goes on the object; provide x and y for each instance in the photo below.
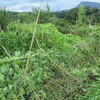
(45, 15)
(82, 31)
(62, 25)
(81, 15)
(24, 17)
(61, 67)
(88, 51)
(72, 15)
(47, 37)
(3, 19)
(15, 83)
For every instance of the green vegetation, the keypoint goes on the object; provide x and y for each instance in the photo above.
(81, 15)
(3, 19)
(61, 66)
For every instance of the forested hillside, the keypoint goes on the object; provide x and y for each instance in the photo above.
(56, 58)
(89, 4)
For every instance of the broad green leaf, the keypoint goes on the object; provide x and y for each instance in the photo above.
(22, 92)
(10, 86)
(3, 69)
(10, 71)
(5, 89)
(17, 53)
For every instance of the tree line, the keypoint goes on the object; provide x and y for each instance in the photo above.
(60, 18)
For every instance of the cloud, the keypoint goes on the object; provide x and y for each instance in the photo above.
(26, 5)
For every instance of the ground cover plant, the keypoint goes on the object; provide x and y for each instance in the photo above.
(38, 62)
(61, 66)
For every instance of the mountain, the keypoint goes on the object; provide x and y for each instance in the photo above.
(90, 4)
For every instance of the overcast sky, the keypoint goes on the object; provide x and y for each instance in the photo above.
(26, 5)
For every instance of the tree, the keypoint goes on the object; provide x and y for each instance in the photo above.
(24, 17)
(71, 15)
(3, 18)
(45, 15)
(95, 10)
(34, 13)
(48, 11)
(81, 15)
(88, 11)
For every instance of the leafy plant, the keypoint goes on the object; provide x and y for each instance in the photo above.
(61, 67)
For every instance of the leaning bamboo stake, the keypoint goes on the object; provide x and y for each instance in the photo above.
(72, 31)
(32, 88)
(65, 71)
(33, 37)
(9, 57)
(90, 21)
(6, 51)
(16, 58)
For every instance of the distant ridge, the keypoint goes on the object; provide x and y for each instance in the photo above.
(90, 4)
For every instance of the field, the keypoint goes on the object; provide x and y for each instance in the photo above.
(37, 62)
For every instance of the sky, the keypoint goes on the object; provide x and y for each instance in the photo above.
(26, 5)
